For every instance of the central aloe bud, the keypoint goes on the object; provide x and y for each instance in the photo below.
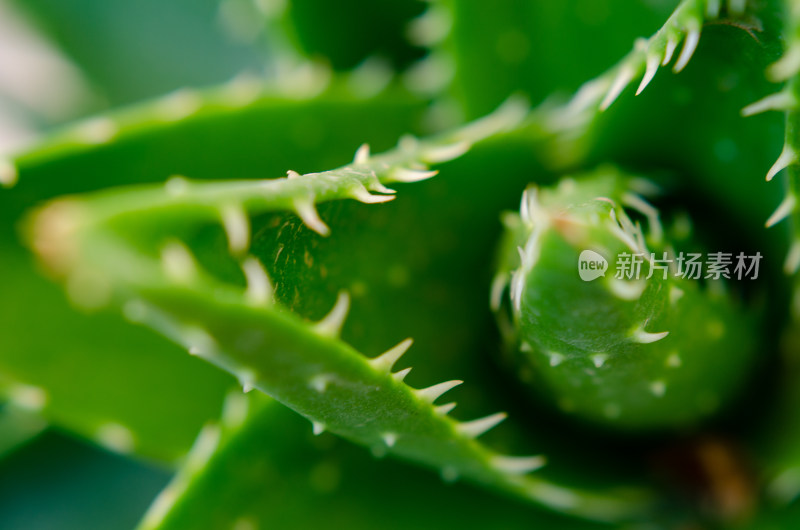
(609, 322)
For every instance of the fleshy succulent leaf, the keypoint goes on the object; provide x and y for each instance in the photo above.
(74, 376)
(633, 341)
(293, 286)
(301, 364)
(272, 469)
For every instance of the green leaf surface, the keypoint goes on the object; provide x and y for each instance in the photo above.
(82, 379)
(636, 342)
(302, 365)
(498, 52)
(260, 466)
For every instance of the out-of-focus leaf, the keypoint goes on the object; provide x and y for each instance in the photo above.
(58, 482)
(88, 368)
(540, 47)
(262, 467)
(136, 50)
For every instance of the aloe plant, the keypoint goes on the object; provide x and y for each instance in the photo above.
(576, 244)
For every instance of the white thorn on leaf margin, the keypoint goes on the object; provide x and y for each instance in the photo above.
(362, 154)
(360, 193)
(237, 228)
(556, 358)
(787, 157)
(445, 409)
(431, 393)
(644, 337)
(389, 438)
(402, 174)
(792, 263)
(198, 341)
(784, 209)
(320, 382)
(28, 397)
(669, 50)
(308, 214)
(177, 262)
(658, 388)
(445, 153)
(385, 362)
(599, 359)
(517, 465)
(259, 288)
(689, 46)
(399, 376)
(649, 72)
(622, 80)
(475, 428)
(331, 324)
(783, 100)
(247, 379)
(116, 437)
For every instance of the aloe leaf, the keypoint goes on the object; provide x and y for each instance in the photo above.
(787, 68)
(512, 31)
(322, 375)
(65, 385)
(292, 287)
(716, 155)
(260, 466)
(777, 442)
(107, 150)
(634, 342)
(660, 127)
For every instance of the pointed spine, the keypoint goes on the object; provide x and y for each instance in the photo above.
(237, 228)
(645, 337)
(178, 263)
(475, 428)
(782, 101)
(445, 409)
(518, 465)
(359, 192)
(402, 174)
(331, 324)
(259, 288)
(401, 375)
(623, 78)
(650, 70)
(432, 393)
(307, 212)
(784, 210)
(386, 361)
(362, 155)
(787, 158)
(689, 46)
